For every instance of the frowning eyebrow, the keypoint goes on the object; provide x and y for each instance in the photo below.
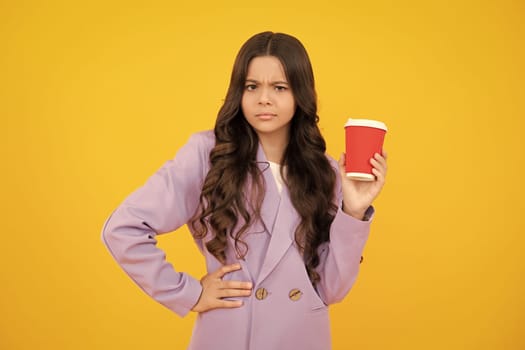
(277, 82)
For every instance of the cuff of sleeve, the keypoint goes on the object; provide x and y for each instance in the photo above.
(369, 213)
(360, 227)
(348, 237)
(187, 301)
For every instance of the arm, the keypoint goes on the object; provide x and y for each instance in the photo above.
(164, 203)
(340, 257)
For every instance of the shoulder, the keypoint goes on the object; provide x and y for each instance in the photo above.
(199, 143)
(194, 155)
(204, 140)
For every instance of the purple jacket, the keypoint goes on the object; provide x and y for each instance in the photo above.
(284, 311)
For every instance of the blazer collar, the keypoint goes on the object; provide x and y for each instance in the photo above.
(272, 198)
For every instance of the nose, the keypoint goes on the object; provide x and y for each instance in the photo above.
(264, 97)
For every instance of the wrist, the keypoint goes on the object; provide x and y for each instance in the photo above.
(358, 214)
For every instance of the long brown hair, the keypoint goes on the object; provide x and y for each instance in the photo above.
(309, 176)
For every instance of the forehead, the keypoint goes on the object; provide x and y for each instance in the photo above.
(266, 68)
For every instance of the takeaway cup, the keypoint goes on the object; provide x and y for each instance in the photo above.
(364, 137)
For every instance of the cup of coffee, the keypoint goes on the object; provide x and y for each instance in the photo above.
(364, 138)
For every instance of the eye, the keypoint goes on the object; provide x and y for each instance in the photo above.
(250, 87)
(280, 88)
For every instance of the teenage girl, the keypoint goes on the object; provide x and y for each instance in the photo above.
(280, 226)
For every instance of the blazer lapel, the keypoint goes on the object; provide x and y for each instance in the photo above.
(282, 235)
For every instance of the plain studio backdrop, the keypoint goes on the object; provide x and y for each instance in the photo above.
(96, 96)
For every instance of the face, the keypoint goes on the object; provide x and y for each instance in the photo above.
(267, 101)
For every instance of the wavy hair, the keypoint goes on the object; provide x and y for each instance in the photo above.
(233, 189)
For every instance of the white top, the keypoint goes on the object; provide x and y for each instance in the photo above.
(276, 171)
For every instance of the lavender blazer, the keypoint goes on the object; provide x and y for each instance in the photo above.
(284, 310)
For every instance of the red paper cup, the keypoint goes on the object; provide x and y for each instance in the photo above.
(364, 137)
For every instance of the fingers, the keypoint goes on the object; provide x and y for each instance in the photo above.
(379, 166)
(223, 270)
(231, 293)
(236, 285)
(228, 304)
(214, 303)
(226, 289)
(379, 162)
(214, 290)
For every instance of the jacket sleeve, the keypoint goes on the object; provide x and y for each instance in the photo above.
(341, 256)
(164, 203)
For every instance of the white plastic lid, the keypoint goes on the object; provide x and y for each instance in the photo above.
(361, 176)
(366, 122)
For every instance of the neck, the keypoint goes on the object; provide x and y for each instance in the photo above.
(274, 145)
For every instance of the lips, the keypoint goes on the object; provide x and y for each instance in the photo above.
(266, 116)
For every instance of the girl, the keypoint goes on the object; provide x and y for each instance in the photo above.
(280, 226)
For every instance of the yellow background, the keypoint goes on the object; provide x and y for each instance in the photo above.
(95, 97)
